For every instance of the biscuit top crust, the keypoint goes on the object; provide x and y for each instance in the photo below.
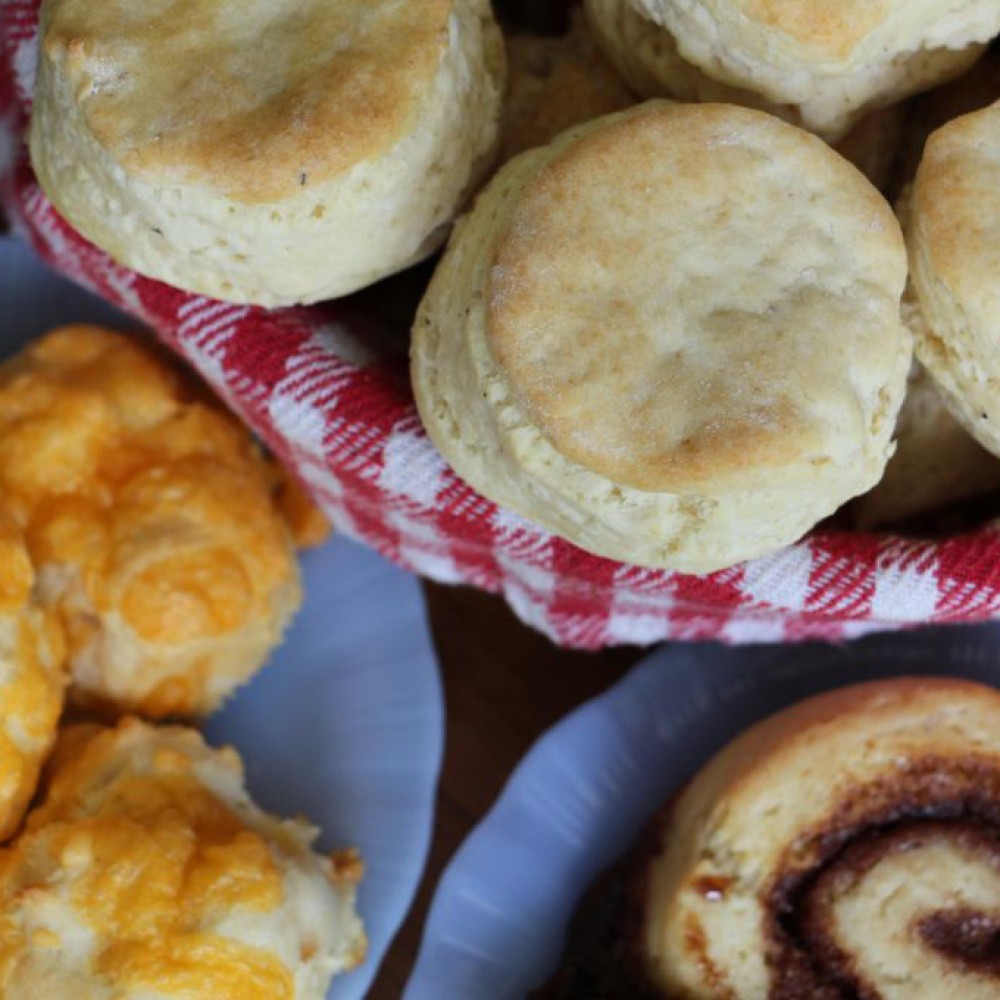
(823, 35)
(692, 298)
(254, 99)
(955, 221)
(833, 29)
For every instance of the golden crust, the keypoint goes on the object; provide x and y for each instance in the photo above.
(761, 810)
(670, 272)
(147, 870)
(953, 222)
(248, 98)
(817, 64)
(831, 30)
(271, 153)
(720, 384)
(150, 520)
(31, 678)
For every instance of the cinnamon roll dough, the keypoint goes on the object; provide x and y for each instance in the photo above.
(270, 152)
(673, 336)
(822, 65)
(847, 846)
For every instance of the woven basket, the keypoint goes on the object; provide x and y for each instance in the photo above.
(329, 393)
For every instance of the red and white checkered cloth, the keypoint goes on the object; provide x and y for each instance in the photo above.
(309, 382)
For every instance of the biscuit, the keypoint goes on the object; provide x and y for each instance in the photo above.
(265, 153)
(819, 65)
(149, 517)
(937, 462)
(147, 871)
(670, 358)
(952, 221)
(31, 679)
(554, 83)
(973, 90)
(843, 847)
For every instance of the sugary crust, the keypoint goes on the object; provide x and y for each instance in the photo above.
(953, 218)
(148, 871)
(479, 417)
(246, 98)
(287, 170)
(820, 64)
(149, 517)
(772, 805)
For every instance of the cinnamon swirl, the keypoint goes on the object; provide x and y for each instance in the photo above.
(847, 848)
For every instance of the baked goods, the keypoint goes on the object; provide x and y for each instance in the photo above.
(845, 847)
(31, 679)
(818, 64)
(149, 519)
(266, 153)
(937, 463)
(147, 871)
(952, 220)
(647, 56)
(973, 90)
(671, 358)
(554, 83)
(872, 145)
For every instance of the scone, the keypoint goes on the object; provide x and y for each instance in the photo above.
(821, 65)
(149, 517)
(846, 847)
(554, 83)
(147, 871)
(673, 336)
(261, 152)
(31, 679)
(953, 235)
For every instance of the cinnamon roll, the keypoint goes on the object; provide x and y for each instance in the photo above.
(846, 848)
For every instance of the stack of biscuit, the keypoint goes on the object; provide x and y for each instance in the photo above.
(669, 323)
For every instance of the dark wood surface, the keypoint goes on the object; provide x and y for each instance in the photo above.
(504, 685)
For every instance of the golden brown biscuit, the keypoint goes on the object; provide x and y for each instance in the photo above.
(937, 462)
(554, 83)
(672, 336)
(647, 56)
(953, 234)
(31, 679)
(149, 518)
(843, 847)
(147, 871)
(265, 152)
(827, 64)
(973, 90)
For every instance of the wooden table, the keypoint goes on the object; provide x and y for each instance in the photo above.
(504, 685)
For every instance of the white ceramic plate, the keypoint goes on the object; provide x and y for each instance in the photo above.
(345, 725)
(585, 791)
